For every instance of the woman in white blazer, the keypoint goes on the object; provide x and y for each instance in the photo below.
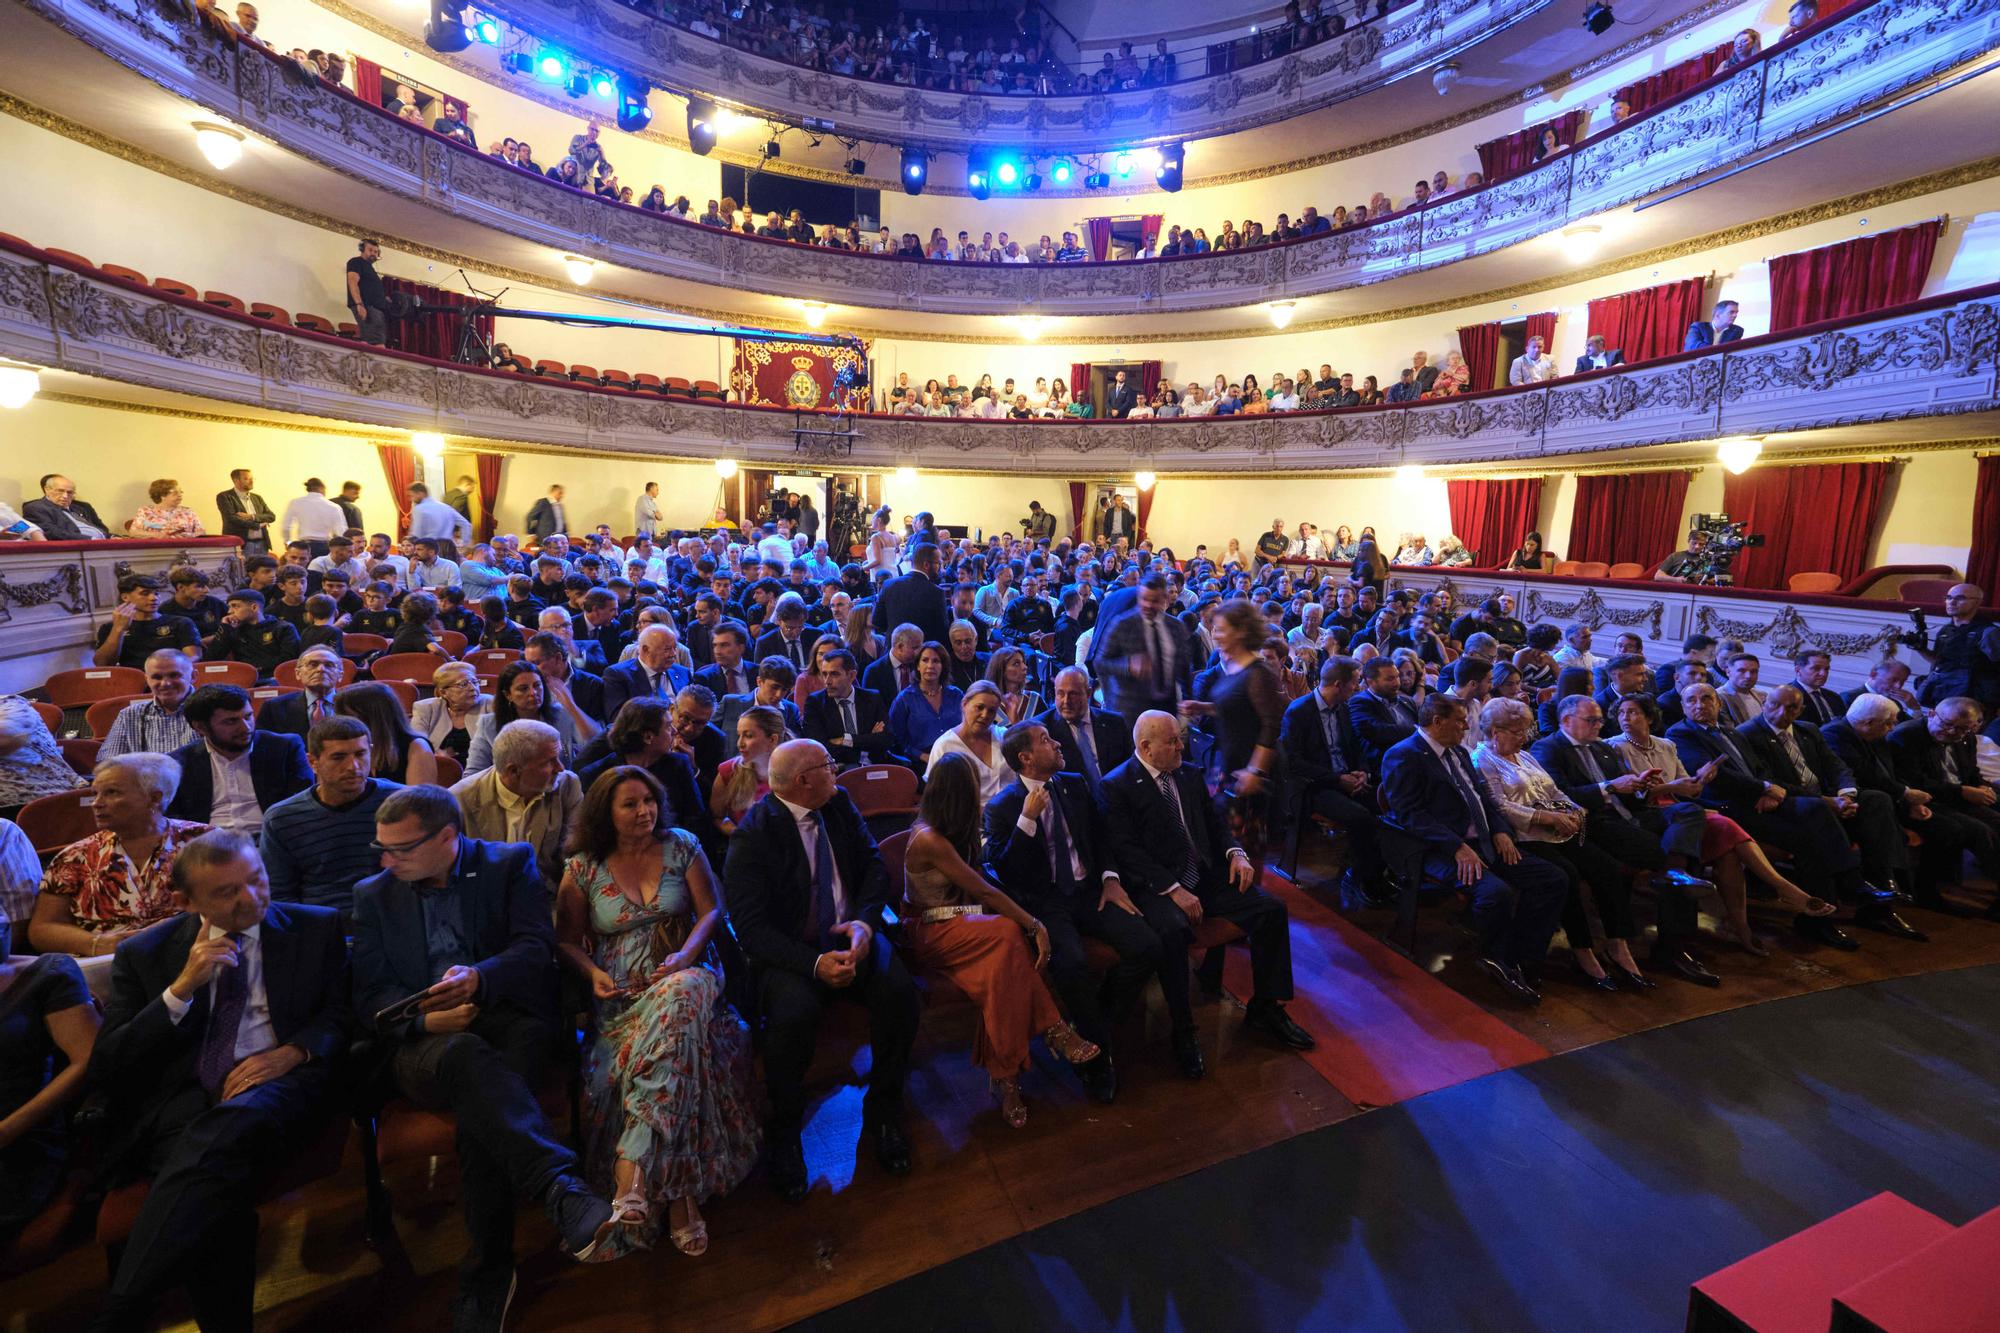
(450, 717)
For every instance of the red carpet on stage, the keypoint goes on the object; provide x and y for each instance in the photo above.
(1387, 1030)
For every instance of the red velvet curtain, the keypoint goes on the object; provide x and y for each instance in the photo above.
(368, 81)
(1079, 380)
(1145, 510)
(1078, 497)
(399, 465)
(1982, 566)
(1098, 231)
(1853, 277)
(1814, 517)
(434, 334)
(1514, 154)
(1671, 82)
(1480, 345)
(1541, 326)
(1149, 379)
(1627, 517)
(489, 492)
(1491, 517)
(1649, 323)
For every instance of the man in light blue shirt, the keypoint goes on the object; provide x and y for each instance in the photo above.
(429, 570)
(435, 518)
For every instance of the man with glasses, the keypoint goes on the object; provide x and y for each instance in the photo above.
(467, 925)
(321, 671)
(61, 516)
(1965, 656)
(1939, 754)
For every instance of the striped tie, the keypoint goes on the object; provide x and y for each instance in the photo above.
(1190, 864)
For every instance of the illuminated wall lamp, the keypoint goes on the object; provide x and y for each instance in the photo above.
(1739, 453)
(1281, 313)
(725, 468)
(1030, 326)
(1144, 480)
(815, 313)
(906, 476)
(579, 269)
(18, 384)
(428, 444)
(1409, 474)
(1583, 240)
(220, 144)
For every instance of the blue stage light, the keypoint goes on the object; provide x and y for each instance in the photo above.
(487, 30)
(604, 85)
(1122, 164)
(1060, 173)
(1007, 173)
(550, 65)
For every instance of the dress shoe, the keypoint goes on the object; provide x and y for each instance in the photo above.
(483, 1299)
(1270, 1016)
(1685, 966)
(581, 1218)
(1509, 979)
(1683, 882)
(1636, 980)
(1874, 893)
(1820, 930)
(1100, 1079)
(1885, 920)
(1187, 1053)
(892, 1146)
(1606, 983)
(785, 1163)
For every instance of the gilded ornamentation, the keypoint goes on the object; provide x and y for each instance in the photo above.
(1592, 610)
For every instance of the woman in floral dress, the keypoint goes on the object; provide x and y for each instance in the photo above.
(670, 1120)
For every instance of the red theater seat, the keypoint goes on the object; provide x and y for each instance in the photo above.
(226, 301)
(86, 685)
(271, 313)
(54, 822)
(97, 718)
(617, 379)
(316, 323)
(555, 369)
(128, 274)
(175, 287)
(708, 389)
(69, 256)
(642, 380)
(584, 374)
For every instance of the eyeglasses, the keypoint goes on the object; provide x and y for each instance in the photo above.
(401, 849)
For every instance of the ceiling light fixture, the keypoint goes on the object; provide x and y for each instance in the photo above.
(579, 269)
(1031, 326)
(815, 313)
(1583, 240)
(1409, 474)
(1144, 480)
(725, 468)
(18, 384)
(222, 145)
(906, 476)
(1281, 313)
(428, 444)
(1739, 453)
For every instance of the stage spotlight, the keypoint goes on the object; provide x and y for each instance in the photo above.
(633, 112)
(856, 167)
(551, 66)
(1007, 173)
(1122, 164)
(1061, 172)
(1096, 180)
(518, 62)
(446, 30)
(916, 170)
(1598, 18)
(701, 126)
(1032, 181)
(1168, 173)
(487, 30)
(579, 84)
(603, 84)
(773, 150)
(978, 174)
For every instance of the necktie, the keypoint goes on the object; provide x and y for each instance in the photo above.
(1059, 853)
(1336, 756)
(904, 679)
(1190, 864)
(847, 727)
(796, 653)
(1461, 777)
(1086, 744)
(821, 915)
(218, 1044)
(1808, 781)
(1949, 757)
(1728, 743)
(656, 677)
(322, 708)
(1158, 658)
(1596, 773)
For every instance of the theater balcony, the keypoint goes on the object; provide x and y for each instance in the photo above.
(1926, 371)
(1873, 96)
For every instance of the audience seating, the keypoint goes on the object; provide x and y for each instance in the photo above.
(555, 369)
(1927, 591)
(708, 389)
(416, 668)
(81, 754)
(1627, 569)
(62, 1225)
(617, 379)
(233, 304)
(1592, 569)
(485, 660)
(584, 374)
(449, 769)
(131, 275)
(320, 1158)
(1813, 581)
(175, 287)
(644, 380)
(270, 312)
(881, 791)
(405, 692)
(347, 330)
(53, 822)
(676, 387)
(51, 716)
(287, 674)
(86, 685)
(314, 323)
(363, 645)
(225, 673)
(1566, 567)
(263, 694)
(97, 719)
(454, 642)
(69, 255)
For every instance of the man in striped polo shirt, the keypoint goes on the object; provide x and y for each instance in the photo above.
(317, 844)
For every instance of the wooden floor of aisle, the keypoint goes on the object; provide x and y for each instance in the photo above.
(1389, 1029)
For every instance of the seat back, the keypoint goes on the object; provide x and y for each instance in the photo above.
(81, 754)
(453, 642)
(405, 692)
(583, 374)
(880, 789)
(263, 694)
(449, 770)
(86, 685)
(1813, 581)
(617, 379)
(1627, 569)
(708, 389)
(1566, 567)
(362, 645)
(316, 323)
(226, 301)
(552, 368)
(175, 287)
(70, 255)
(97, 719)
(488, 661)
(893, 849)
(1925, 590)
(128, 274)
(1592, 569)
(50, 715)
(270, 312)
(225, 673)
(417, 668)
(287, 674)
(52, 823)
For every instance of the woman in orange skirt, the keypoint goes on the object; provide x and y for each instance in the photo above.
(960, 925)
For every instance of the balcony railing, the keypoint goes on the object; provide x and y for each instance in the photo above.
(1934, 358)
(1862, 55)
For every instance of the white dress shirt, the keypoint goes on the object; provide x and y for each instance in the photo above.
(993, 777)
(235, 805)
(254, 1035)
(312, 517)
(809, 826)
(432, 517)
(1045, 829)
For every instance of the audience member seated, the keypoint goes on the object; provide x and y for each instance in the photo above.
(579, 695)
(398, 754)
(136, 628)
(221, 1055)
(805, 889)
(317, 845)
(447, 718)
(745, 779)
(1382, 717)
(929, 708)
(31, 759)
(526, 796)
(654, 671)
(64, 518)
(110, 885)
(158, 723)
(1323, 755)
(232, 773)
(1859, 740)
(775, 681)
(851, 722)
(1938, 754)
(47, 1028)
(166, 518)
(519, 693)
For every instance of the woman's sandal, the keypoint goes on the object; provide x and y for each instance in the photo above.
(1068, 1044)
(1012, 1108)
(1813, 906)
(692, 1239)
(630, 1210)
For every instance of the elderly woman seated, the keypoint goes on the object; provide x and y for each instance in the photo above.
(119, 880)
(447, 718)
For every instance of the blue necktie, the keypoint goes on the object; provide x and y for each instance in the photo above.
(1086, 744)
(1059, 851)
(1462, 778)
(823, 914)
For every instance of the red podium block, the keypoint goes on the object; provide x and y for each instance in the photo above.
(1789, 1287)
(1950, 1286)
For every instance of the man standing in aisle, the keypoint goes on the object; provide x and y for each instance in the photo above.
(367, 298)
(646, 512)
(312, 518)
(434, 519)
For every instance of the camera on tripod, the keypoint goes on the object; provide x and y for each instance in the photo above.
(1711, 564)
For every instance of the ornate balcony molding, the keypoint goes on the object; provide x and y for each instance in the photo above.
(1877, 49)
(1372, 55)
(1935, 358)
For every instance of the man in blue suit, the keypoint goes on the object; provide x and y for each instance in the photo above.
(221, 1041)
(651, 673)
(1147, 658)
(1382, 717)
(775, 679)
(1323, 752)
(1706, 333)
(852, 723)
(232, 773)
(466, 924)
(1434, 794)
(915, 598)
(549, 655)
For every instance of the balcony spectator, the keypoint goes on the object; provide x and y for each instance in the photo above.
(367, 298)
(1071, 252)
(1802, 15)
(166, 518)
(1548, 143)
(1454, 378)
(1596, 356)
(61, 516)
(1713, 332)
(1530, 555)
(1746, 47)
(589, 157)
(1533, 366)
(452, 126)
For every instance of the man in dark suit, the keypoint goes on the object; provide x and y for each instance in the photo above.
(549, 655)
(1434, 794)
(1323, 754)
(1810, 669)
(852, 723)
(1626, 677)
(915, 598)
(651, 672)
(1889, 678)
(219, 1051)
(726, 674)
(1120, 521)
(64, 518)
(1621, 820)
(232, 773)
(244, 514)
(1382, 717)
(1803, 827)
(1596, 356)
(1798, 759)
(546, 517)
(896, 670)
(806, 888)
(1114, 606)
(1939, 754)
(467, 924)
(1093, 740)
(1177, 862)
(775, 682)
(1859, 739)
(1722, 329)
(789, 636)
(1147, 659)
(1045, 843)
(320, 671)
(1120, 397)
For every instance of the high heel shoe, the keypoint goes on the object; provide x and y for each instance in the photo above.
(1012, 1108)
(692, 1239)
(1603, 983)
(1631, 978)
(1070, 1046)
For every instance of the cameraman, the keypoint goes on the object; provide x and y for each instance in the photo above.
(366, 296)
(1683, 565)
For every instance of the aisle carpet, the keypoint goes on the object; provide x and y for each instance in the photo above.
(1584, 1191)
(1387, 1030)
